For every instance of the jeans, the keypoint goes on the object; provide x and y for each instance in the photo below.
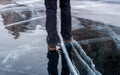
(51, 21)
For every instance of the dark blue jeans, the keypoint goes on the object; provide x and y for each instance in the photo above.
(51, 21)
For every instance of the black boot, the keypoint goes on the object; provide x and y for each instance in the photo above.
(65, 68)
(53, 62)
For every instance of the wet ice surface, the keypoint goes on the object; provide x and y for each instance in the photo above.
(104, 12)
(27, 54)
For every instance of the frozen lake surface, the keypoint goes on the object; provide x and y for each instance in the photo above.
(100, 11)
(27, 54)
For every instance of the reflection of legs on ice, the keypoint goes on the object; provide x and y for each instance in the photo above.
(53, 62)
(53, 57)
(65, 68)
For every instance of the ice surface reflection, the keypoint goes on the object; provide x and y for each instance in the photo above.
(23, 48)
(26, 54)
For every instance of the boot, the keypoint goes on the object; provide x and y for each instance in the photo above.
(53, 62)
(65, 68)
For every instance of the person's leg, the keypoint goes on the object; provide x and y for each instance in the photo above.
(66, 32)
(51, 22)
(65, 19)
(52, 38)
